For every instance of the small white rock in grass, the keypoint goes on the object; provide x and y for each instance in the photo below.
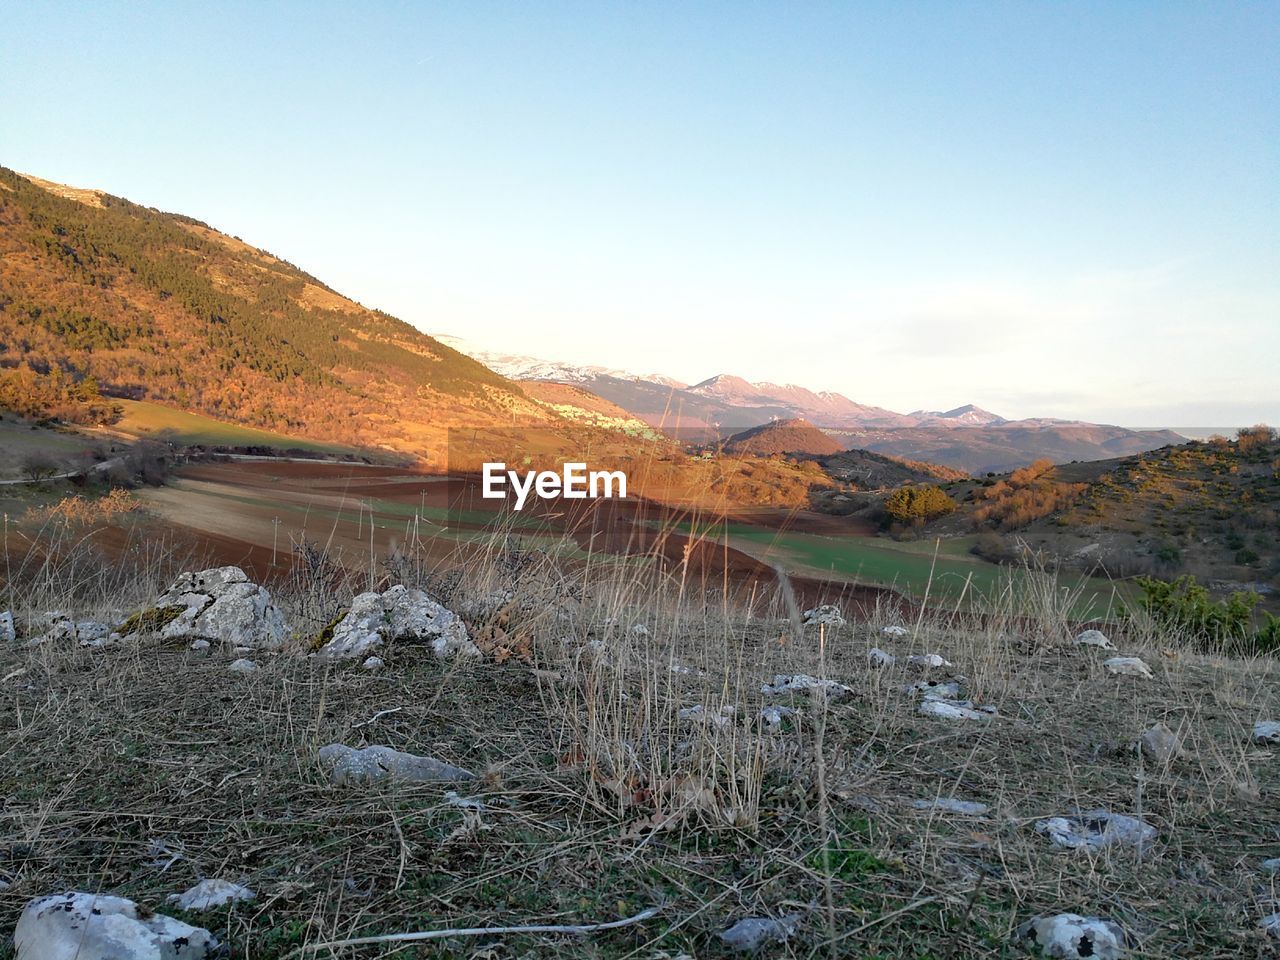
(895, 631)
(1096, 830)
(699, 712)
(880, 658)
(639, 630)
(199, 646)
(927, 661)
(801, 682)
(933, 689)
(1271, 866)
(968, 808)
(1267, 731)
(1270, 924)
(373, 663)
(1069, 936)
(774, 715)
(243, 666)
(1160, 744)
(347, 764)
(1094, 638)
(8, 631)
(452, 799)
(88, 926)
(753, 933)
(208, 894)
(827, 615)
(1127, 667)
(955, 710)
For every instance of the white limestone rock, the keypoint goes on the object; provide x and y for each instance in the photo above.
(1266, 731)
(898, 633)
(826, 615)
(1128, 667)
(347, 765)
(87, 926)
(8, 630)
(208, 894)
(1160, 744)
(880, 658)
(955, 710)
(750, 934)
(243, 666)
(1069, 936)
(398, 614)
(928, 661)
(1094, 638)
(221, 605)
(803, 683)
(1096, 830)
(774, 715)
(373, 663)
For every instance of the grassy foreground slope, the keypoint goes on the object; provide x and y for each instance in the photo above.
(625, 770)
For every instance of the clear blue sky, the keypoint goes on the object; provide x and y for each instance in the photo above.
(1047, 209)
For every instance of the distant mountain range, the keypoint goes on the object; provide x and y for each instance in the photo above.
(966, 437)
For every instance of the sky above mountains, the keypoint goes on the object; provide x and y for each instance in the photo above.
(1046, 210)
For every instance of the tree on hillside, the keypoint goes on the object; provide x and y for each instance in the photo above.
(918, 504)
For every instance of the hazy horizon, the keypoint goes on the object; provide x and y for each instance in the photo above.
(1058, 212)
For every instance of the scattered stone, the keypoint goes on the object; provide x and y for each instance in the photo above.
(754, 932)
(955, 710)
(221, 605)
(347, 764)
(373, 663)
(87, 926)
(452, 799)
(774, 715)
(896, 632)
(1127, 667)
(797, 682)
(1267, 731)
(1094, 638)
(968, 808)
(1069, 936)
(398, 614)
(933, 689)
(827, 615)
(243, 666)
(880, 658)
(208, 894)
(199, 646)
(699, 712)
(927, 661)
(1270, 925)
(639, 630)
(1271, 866)
(1160, 744)
(88, 633)
(1097, 829)
(8, 631)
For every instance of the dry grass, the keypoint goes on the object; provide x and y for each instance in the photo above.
(142, 768)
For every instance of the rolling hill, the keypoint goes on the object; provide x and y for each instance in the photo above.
(794, 438)
(103, 298)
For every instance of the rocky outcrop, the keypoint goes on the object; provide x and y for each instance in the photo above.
(87, 926)
(400, 614)
(219, 605)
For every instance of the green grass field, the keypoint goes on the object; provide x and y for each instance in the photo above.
(145, 419)
(946, 568)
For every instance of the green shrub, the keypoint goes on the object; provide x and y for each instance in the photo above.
(1184, 607)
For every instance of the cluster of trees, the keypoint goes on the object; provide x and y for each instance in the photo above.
(1184, 608)
(55, 395)
(1027, 495)
(918, 505)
